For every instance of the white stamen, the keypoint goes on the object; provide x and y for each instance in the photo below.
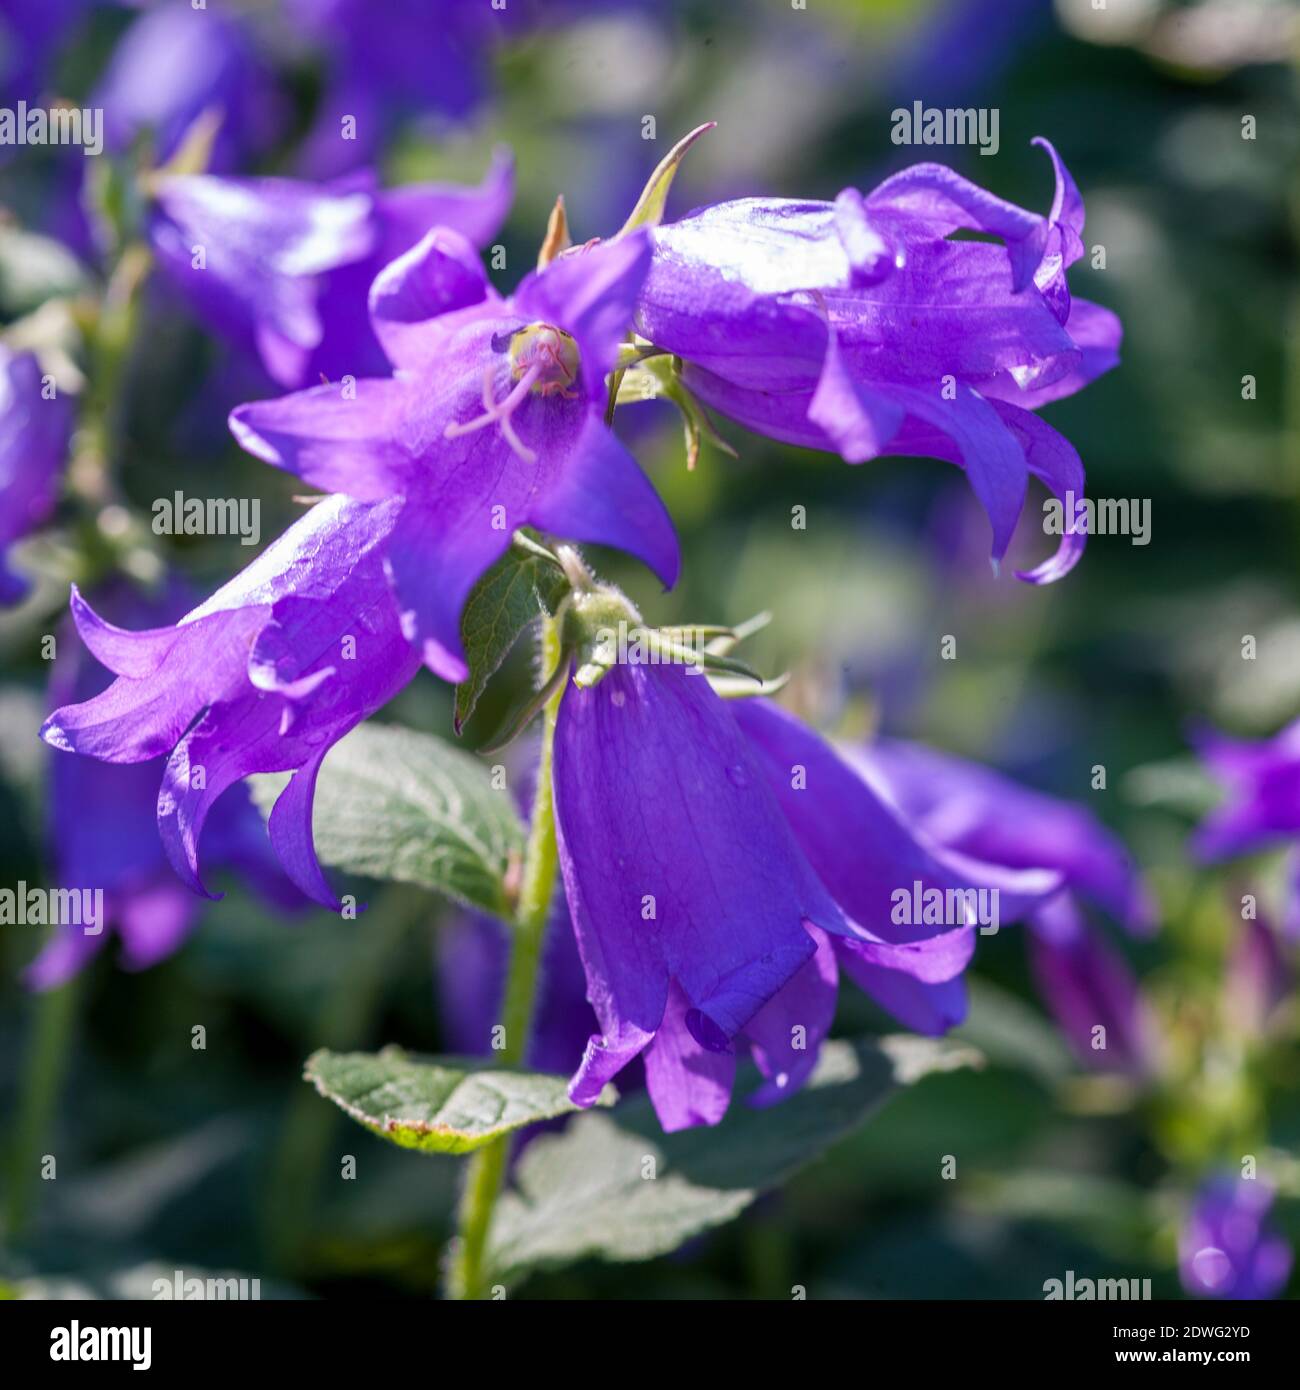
(499, 413)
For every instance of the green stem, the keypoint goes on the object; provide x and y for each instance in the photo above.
(46, 1064)
(487, 1169)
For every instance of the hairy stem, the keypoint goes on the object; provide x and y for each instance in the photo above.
(487, 1169)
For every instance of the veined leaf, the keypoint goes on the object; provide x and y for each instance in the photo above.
(437, 1104)
(397, 805)
(615, 1187)
(503, 603)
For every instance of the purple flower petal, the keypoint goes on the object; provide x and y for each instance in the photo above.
(688, 1084)
(677, 863)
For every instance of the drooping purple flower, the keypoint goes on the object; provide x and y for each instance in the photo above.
(860, 327)
(975, 810)
(1262, 780)
(35, 427)
(174, 64)
(972, 810)
(492, 420)
(282, 269)
(1227, 1247)
(1091, 991)
(265, 676)
(104, 836)
(716, 890)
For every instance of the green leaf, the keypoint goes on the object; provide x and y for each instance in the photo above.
(503, 603)
(615, 1187)
(397, 805)
(437, 1105)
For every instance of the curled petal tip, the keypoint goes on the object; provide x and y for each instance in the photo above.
(52, 732)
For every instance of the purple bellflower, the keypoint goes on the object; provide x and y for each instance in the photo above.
(282, 268)
(1227, 1248)
(861, 328)
(174, 64)
(265, 676)
(1262, 778)
(35, 427)
(973, 810)
(1262, 806)
(716, 895)
(104, 835)
(492, 420)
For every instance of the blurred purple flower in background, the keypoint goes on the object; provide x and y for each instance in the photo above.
(265, 676)
(961, 48)
(973, 810)
(35, 428)
(103, 832)
(384, 61)
(493, 420)
(859, 327)
(387, 61)
(282, 268)
(175, 63)
(722, 864)
(1259, 977)
(31, 34)
(1262, 780)
(472, 951)
(1227, 1248)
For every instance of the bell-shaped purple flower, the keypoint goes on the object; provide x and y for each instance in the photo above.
(282, 269)
(722, 864)
(265, 676)
(861, 327)
(35, 427)
(177, 62)
(975, 810)
(1091, 991)
(1262, 780)
(972, 810)
(1227, 1247)
(492, 420)
(103, 834)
